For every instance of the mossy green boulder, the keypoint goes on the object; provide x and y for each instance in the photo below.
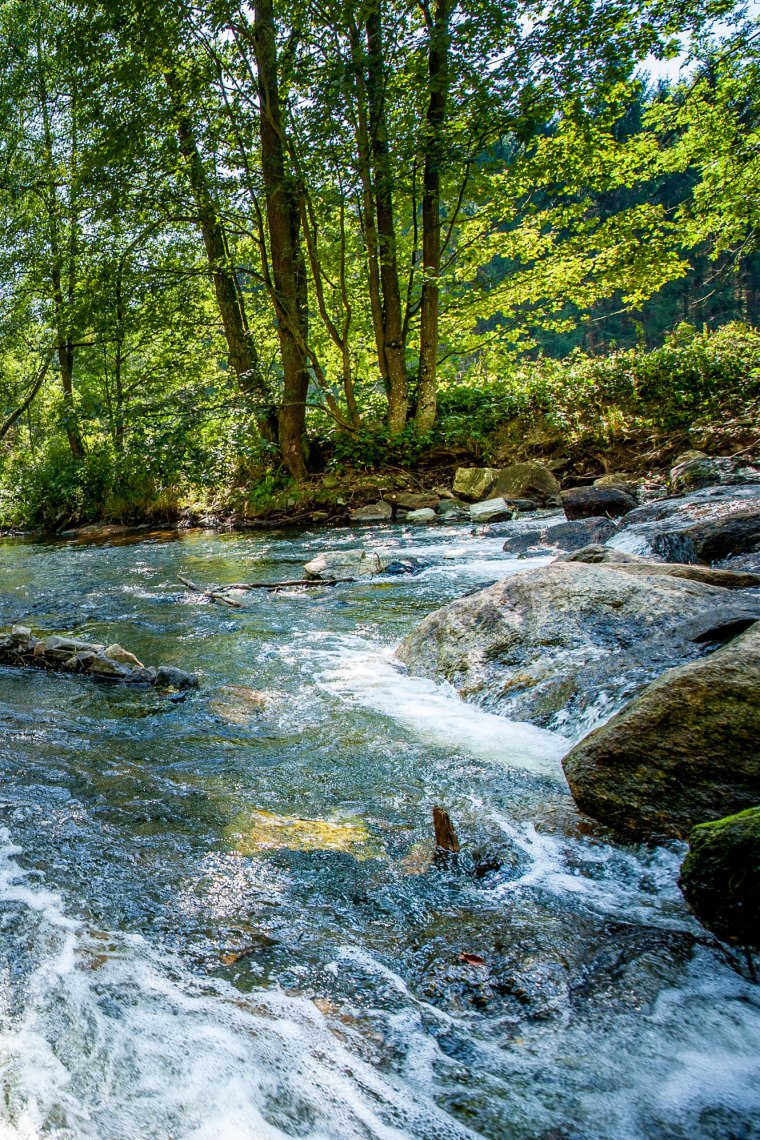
(720, 876)
(686, 750)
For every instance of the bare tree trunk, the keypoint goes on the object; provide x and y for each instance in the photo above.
(288, 268)
(438, 72)
(241, 351)
(393, 340)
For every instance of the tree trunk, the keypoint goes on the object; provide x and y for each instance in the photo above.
(288, 267)
(393, 346)
(241, 351)
(438, 72)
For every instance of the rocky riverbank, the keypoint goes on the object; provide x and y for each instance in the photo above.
(645, 629)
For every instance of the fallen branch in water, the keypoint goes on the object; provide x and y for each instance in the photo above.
(281, 585)
(446, 842)
(213, 593)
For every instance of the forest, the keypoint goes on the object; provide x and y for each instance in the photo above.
(243, 243)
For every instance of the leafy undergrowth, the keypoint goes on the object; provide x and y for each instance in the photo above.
(632, 410)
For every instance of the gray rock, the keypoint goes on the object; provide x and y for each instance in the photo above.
(590, 502)
(530, 481)
(169, 678)
(101, 666)
(451, 508)
(599, 553)
(474, 483)
(741, 563)
(491, 510)
(713, 540)
(401, 566)
(625, 482)
(563, 645)
(415, 501)
(424, 515)
(647, 529)
(374, 512)
(345, 564)
(562, 536)
(685, 751)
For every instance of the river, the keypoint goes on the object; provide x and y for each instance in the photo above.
(219, 916)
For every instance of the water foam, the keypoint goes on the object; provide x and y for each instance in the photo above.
(111, 1043)
(364, 673)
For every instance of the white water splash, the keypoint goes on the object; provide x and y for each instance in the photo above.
(364, 673)
(112, 1044)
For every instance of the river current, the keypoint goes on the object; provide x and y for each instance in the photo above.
(219, 918)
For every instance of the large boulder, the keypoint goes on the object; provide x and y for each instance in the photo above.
(341, 565)
(530, 481)
(563, 645)
(663, 528)
(686, 750)
(712, 540)
(596, 501)
(474, 483)
(720, 876)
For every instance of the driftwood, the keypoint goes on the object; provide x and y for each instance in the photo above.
(219, 593)
(281, 585)
(213, 593)
(446, 842)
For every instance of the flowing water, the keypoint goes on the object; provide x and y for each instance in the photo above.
(219, 917)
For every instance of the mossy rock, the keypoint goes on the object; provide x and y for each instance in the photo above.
(720, 876)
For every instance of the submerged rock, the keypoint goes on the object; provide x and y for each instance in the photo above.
(597, 502)
(561, 646)
(345, 564)
(663, 529)
(720, 876)
(686, 750)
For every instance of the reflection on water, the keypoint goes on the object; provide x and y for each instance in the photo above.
(221, 918)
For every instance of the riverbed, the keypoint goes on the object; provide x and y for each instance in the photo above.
(220, 915)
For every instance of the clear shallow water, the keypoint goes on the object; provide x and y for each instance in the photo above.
(219, 919)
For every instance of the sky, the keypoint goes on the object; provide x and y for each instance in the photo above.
(675, 69)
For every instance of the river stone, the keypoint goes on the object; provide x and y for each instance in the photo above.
(623, 480)
(492, 510)
(424, 515)
(168, 677)
(720, 876)
(685, 751)
(598, 552)
(345, 564)
(105, 667)
(474, 483)
(563, 536)
(596, 501)
(415, 501)
(692, 471)
(373, 512)
(656, 529)
(711, 541)
(531, 481)
(451, 508)
(562, 645)
(117, 653)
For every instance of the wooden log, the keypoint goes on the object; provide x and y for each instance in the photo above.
(213, 593)
(446, 842)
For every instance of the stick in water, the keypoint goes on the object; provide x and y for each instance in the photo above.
(446, 842)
